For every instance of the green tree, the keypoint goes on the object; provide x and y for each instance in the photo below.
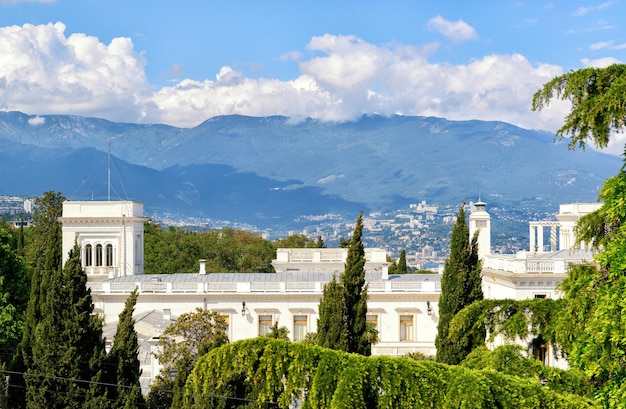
(348, 299)
(182, 343)
(295, 241)
(402, 268)
(65, 368)
(320, 242)
(13, 295)
(597, 97)
(175, 250)
(592, 327)
(43, 254)
(460, 286)
(331, 329)
(593, 323)
(46, 212)
(355, 293)
(122, 362)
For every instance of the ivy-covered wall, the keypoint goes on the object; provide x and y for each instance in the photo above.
(269, 373)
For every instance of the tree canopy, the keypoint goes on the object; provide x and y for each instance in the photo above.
(265, 372)
(598, 103)
(181, 345)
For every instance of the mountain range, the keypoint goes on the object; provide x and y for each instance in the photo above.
(270, 171)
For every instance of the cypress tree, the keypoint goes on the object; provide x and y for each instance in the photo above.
(346, 299)
(355, 293)
(460, 286)
(123, 367)
(331, 329)
(68, 349)
(44, 254)
(402, 268)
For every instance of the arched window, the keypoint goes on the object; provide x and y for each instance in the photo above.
(98, 255)
(109, 255)
(88, 255)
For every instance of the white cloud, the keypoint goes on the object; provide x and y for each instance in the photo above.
(36, 121)
(583, 11)
(456, 31)
(600, 62)
(43, 71)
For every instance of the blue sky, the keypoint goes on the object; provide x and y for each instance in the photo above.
(183, 62)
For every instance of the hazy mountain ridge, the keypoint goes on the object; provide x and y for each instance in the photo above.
(270, 170)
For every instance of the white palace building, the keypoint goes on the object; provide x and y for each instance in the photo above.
(404, 308)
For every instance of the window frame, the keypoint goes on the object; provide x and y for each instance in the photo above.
(407, 328)
(300, 327)
(265, 324)
(88, 255)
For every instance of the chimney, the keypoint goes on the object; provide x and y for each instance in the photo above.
(385, 271)
(202, 267)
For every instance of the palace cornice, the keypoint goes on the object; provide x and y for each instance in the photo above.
(92, 220)
(499, 276)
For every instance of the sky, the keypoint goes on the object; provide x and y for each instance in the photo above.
(183, 62)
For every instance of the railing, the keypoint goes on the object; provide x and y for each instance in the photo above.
(529, 265)
(156, 286)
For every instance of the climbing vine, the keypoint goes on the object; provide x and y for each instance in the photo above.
(513, 319)
(270, 373)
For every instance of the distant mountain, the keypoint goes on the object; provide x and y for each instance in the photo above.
(267, 171)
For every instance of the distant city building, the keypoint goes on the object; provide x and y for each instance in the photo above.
(28, 206)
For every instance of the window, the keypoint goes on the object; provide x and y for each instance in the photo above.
(540, 350)
(88, 255)
(372, 320)
(227, 322)
(300, 327)
(406, 328)
(265, 324)
(109, 255)
(98, 255)
(481, 224)
(540, 296)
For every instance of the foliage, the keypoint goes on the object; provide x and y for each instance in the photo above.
(14, 286)
(184, 341)
(175, 250)
(331, 331)
(277, 332)
(402, 268)
(46, 212)
(515, 320)
(296, 241)
(67, 348)
(264, 372)
(598, 103)
(512, 360)
(460, 286)
(122, 363)
(342, 312)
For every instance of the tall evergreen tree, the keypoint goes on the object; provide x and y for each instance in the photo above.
(355, 293)
(331, 329)
(402, 268)
(123, 368)
(65, 366)
(43, 252)
(350, 296)
(460, 286)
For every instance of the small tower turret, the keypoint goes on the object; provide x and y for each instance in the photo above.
(480, 220)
